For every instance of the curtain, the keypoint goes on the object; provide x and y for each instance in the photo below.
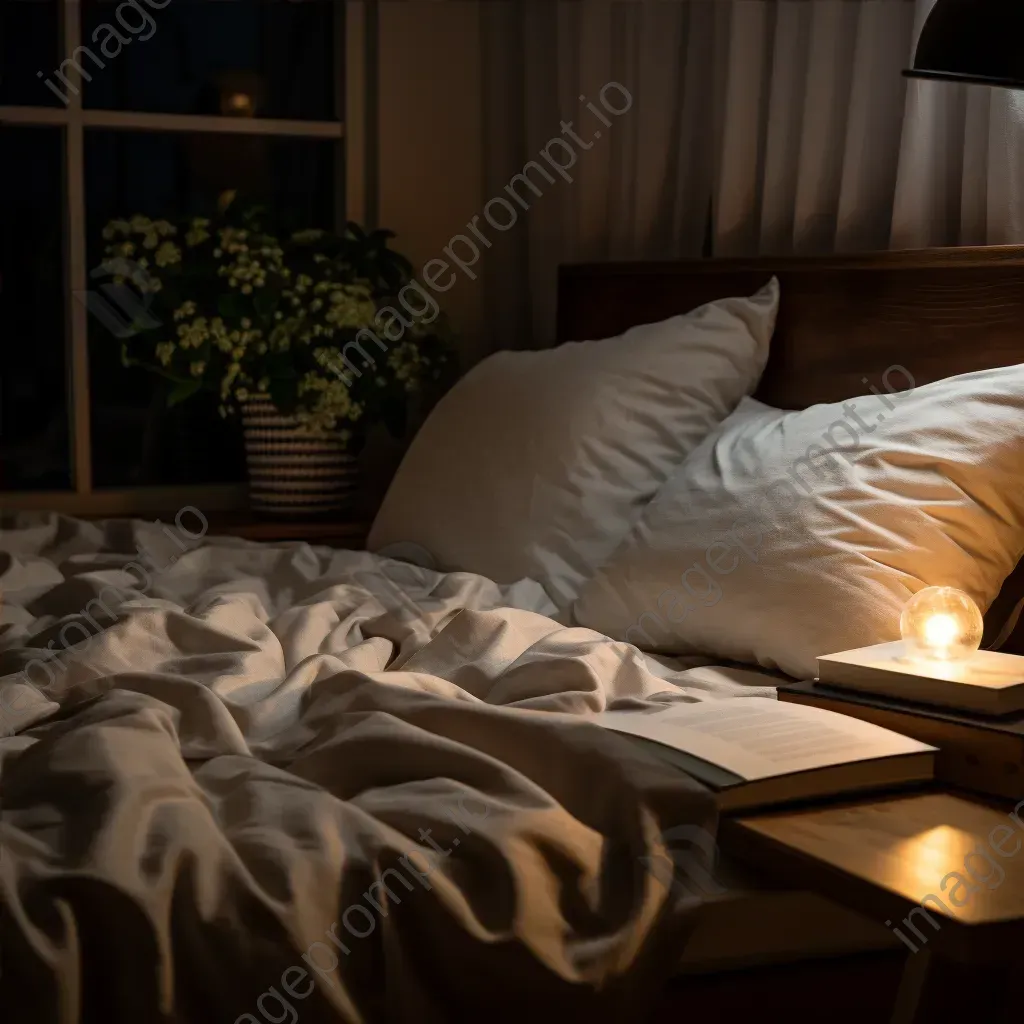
(756, 127)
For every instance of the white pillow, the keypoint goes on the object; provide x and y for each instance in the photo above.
(788, 535)
(537, 463)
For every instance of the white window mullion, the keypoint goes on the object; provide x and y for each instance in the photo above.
(33, 115)
(355, 47)
(359, 75)
(77, 271)
(344, 25)
(146, 122)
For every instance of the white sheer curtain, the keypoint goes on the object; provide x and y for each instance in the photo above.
(758, 126)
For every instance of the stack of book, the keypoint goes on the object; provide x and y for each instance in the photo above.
(973, 710)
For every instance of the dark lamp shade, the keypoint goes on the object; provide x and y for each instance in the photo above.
(973, 41)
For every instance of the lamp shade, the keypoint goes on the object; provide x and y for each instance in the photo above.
(975, 41)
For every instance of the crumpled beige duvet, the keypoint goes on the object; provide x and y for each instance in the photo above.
(280, 783)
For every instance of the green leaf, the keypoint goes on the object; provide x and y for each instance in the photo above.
(180, 392)
(266, 301)
(231, 306)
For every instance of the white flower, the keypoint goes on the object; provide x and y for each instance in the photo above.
(167, 255)
(198, 369)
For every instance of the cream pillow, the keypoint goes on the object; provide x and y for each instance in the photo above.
(787, 535)
(537, 463)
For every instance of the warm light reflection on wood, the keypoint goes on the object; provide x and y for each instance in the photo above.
(964, 855)
(918, 863)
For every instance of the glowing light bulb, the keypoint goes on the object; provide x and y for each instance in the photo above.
(941, 623)
(240, 103)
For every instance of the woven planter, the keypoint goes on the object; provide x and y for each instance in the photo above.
(292, 473)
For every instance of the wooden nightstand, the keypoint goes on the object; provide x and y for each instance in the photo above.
(335, 533)
(883, 857)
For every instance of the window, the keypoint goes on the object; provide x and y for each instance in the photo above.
(110, 109)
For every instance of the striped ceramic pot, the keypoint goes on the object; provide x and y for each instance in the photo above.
(292, 473)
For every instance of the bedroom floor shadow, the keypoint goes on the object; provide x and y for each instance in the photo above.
(852, 990)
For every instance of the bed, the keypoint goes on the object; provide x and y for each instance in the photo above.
(280, 782)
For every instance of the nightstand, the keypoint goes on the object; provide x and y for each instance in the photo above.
(896, 860)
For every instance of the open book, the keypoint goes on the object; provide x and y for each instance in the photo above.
(755, 751)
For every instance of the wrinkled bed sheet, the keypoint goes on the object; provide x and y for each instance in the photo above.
(277, 782)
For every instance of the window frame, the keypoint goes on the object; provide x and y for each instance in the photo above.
(355, 36)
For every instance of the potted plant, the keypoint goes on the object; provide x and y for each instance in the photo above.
(311, 337)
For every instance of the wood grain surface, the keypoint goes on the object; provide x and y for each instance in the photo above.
(887, 855)
(936, 312)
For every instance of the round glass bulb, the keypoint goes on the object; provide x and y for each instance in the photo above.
(941, 623)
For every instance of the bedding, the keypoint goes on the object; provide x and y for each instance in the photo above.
(787, 535)
(245, 782)
(567, 445)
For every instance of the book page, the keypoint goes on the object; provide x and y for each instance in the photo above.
(758, 738)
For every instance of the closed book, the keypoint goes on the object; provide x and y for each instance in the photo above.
(755, 752)
(977, 752)
(988, 682)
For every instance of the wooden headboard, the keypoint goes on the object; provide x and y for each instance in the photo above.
(937, 312)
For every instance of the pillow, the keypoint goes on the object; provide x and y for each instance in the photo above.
(536, 464)
(788, 535)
